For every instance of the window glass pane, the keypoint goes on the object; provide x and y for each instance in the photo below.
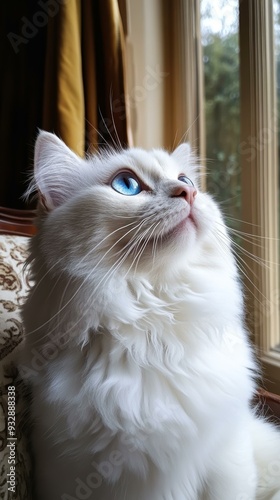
(219, 30)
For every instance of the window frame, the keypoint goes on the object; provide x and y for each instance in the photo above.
(259, 181)
(176, 106)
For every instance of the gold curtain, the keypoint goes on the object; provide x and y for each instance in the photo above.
(63, 71)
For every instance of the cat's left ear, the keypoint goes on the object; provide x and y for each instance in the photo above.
(187, 161)
(57, 171)
(182, 153)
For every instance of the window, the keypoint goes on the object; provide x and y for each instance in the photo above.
(220, 42)
(224, 51)
(239, 50)
(259, 179)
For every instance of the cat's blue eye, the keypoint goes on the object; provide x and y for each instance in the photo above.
(185, 179)
(126, 183)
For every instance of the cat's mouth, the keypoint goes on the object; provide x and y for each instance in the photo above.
(188, 223)
(192, 219)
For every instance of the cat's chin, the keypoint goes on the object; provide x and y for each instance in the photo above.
(184, 229)
(179, 240)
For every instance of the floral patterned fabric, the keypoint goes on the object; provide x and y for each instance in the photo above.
(14, 283)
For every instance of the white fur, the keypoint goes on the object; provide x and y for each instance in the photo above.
(141, 371)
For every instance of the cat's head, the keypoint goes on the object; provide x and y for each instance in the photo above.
(130, 210)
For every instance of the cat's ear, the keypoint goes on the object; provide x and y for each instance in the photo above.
(182, 153)
(57, 170)
(187, 160)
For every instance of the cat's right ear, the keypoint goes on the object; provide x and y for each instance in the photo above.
(57, 170)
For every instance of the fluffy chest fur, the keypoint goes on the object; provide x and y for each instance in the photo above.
(163, 363)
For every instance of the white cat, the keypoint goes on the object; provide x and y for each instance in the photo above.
(136, 351)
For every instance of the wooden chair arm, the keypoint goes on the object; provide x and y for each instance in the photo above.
(269, 404)
(18, 222)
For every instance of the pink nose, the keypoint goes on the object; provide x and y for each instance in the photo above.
(187, 192)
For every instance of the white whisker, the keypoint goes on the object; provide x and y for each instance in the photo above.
(90, 274)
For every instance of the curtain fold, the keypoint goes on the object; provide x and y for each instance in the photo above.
(85, 75)
(63, 70)
(112, 116)
(63, 106)
(90, 72)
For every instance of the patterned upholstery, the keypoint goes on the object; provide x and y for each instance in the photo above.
(14, 283)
